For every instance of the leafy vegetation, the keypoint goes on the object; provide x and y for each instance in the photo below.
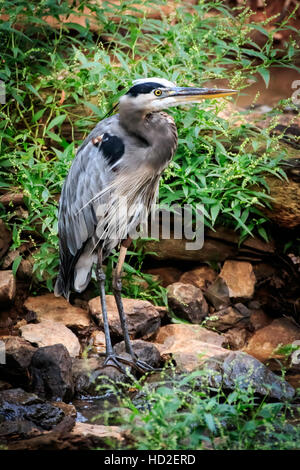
(178, 413)
(61, 80)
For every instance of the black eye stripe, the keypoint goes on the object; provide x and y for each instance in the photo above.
(143, 88)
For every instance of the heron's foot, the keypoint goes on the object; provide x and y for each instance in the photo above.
(117, 361)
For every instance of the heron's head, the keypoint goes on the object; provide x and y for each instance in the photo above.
(155, 94)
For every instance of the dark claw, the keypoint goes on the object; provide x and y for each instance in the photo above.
(117, 361)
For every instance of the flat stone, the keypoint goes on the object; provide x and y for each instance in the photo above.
(51, 372)
(142, 317)
(265, 341)
(18, 354)
(187, 302)
(200, 277)
(58, 309)
(239, 278)
(7, 287)
(98, 432)
(144, 350)
(189, 345)
(48, 333)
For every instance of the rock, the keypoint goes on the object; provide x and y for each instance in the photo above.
(265, 341)
(144, 350)
(236, 337)
(259, 319)
(5, 238)
(218, 294)
(200, 277)
(18, 354)
(239, 278)
(188, 345)
(100, 434)
(237, 369)
(7, 287)
(17, 406)
(187, 302)
(51, 371)
(58, 309)
(229, 317)
(87, 372)
(142, 317)
(48, 333)
(219, 244)
(174, 332)
(166, 275)
(97, 341)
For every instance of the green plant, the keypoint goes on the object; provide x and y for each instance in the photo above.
(176, 412)
(61, 80)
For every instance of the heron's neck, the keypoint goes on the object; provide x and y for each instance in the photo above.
(157, 130)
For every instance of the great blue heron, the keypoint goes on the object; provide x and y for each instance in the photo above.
(122, 159)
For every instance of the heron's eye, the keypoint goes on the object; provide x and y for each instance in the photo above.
(157, 92)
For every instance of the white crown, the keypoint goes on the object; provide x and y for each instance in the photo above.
(162, 81)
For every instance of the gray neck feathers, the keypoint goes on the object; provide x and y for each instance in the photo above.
(157, 130)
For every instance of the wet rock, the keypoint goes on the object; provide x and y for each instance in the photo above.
(19, 406)
(230, 317)
(142, 317)
(265, 341)
(236, 337)
(166, 275)
(237, 369)
(218, 294)
(200, 277)
(7, 287)
(97, 341)
(58, 309)
(188, 345)
(18, 354)
(187, 302)
(239, 278)
(89, 373)
(48, 333)
(144, 350)
(5, 238)
(51, 371)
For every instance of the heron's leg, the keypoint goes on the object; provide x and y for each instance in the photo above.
(101, 279)
(111, 359)
(117, 289)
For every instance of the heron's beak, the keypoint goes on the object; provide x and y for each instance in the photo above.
(190, 94)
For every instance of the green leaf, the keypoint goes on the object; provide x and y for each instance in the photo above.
(57, 121)
(265, 74)
(16, 264)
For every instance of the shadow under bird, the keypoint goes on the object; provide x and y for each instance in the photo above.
(119, 164)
